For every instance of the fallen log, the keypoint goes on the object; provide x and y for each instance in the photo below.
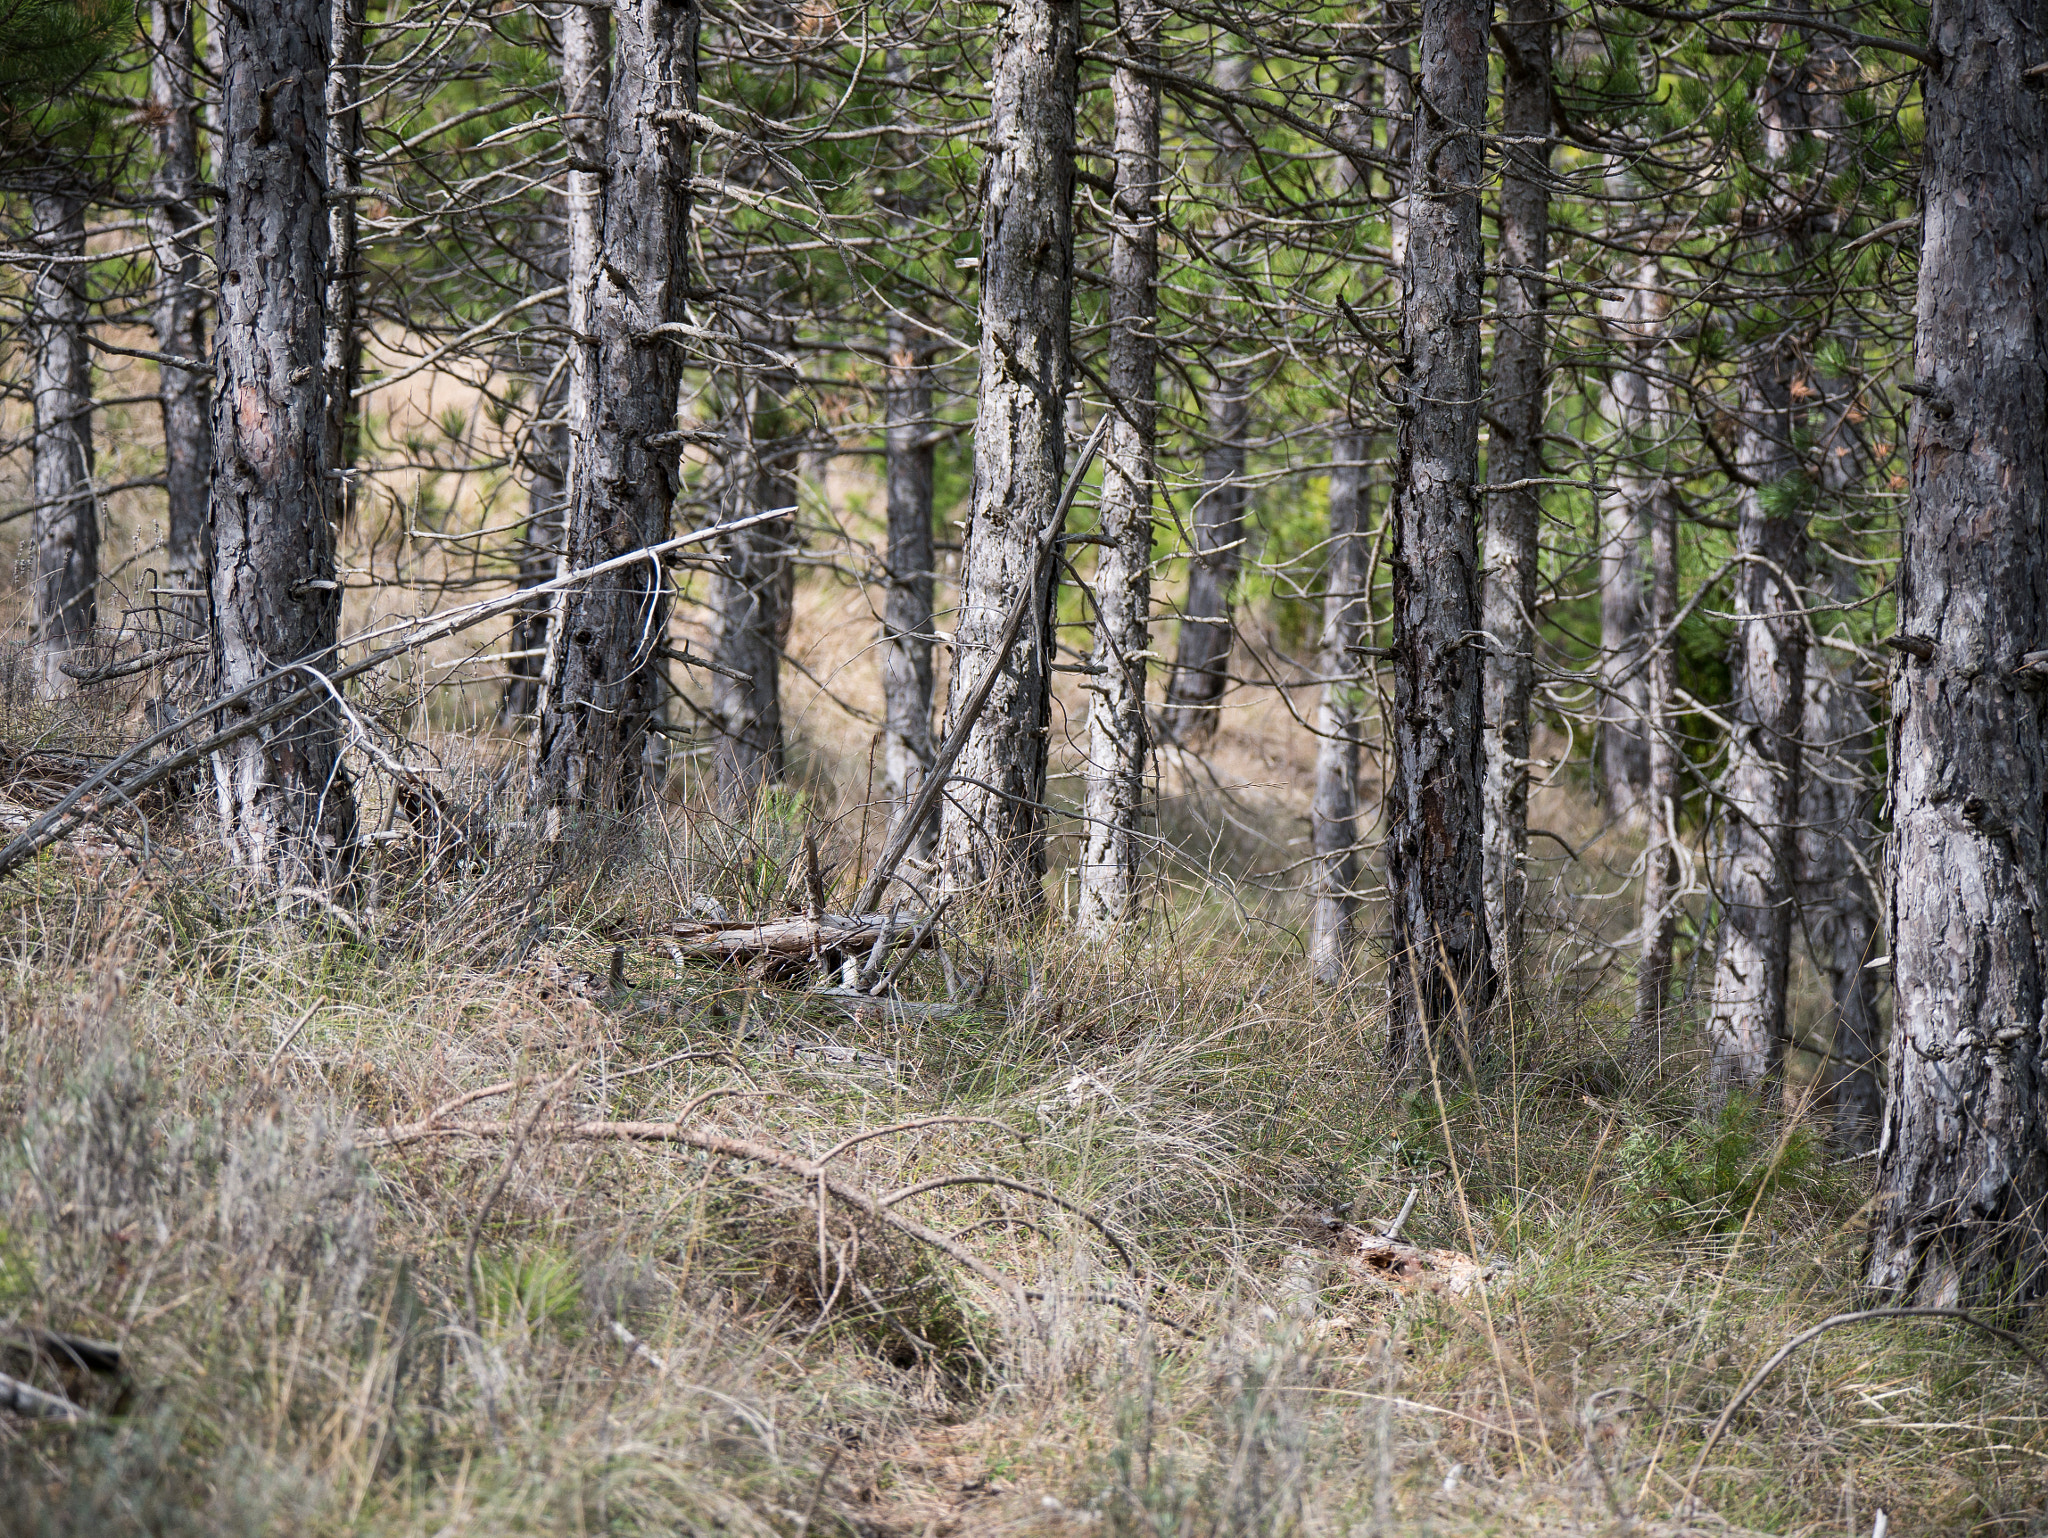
(793, 939)
(26, 1400)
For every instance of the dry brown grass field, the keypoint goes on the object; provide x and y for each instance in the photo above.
(341, 1193)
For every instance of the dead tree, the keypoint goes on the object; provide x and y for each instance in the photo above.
(629, 288)
(1631, 401)
(1440, 971)
(65, 534)
(177, 233)
(992, 836)
(907, 609)
(1118, 733)
(1962, 1183)
(1333, 811)
(1662, 868)
(341, 351)
(287, 807)
(1514, 466)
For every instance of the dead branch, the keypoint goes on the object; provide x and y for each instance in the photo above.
(795, 938)
(26, 1400)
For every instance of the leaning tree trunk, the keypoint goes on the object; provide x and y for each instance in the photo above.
(629, 279)
(907, 609)
(1117, 730)
(287, 808)
(1201, 662)
(341, 351)
(1333, 810)
(65, 532)
(1962, 1182)
(1440, 968)
(751, 595)
(177, 233)
(1836, 843)
(1514, 461)
(992, 839)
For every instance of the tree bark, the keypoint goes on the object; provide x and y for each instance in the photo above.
(1118, 733)
(65, 533)
(341, 352)
(1333, 811)
(992, 837)
(1440, 972)
(629, 275)
(1836, 843)
(287, 808)
(907, 610)
(177, 232)
(1963, 1176)
(1515, 457)
(1661, 868)
(546, 455)
(751, 594)
(1632, 406)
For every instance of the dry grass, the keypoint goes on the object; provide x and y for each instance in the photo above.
(537, 1335)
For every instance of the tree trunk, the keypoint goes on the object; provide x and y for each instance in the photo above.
(629, 274)
(1440, 971)
(907, 612)
(992, 839)
(1963, 1177)
(1201, 663)
(1333, 812)
(287, 808)
(1661, 886)
(1632, 406)
(1514, 456)
(1836, 843)
(65, 533)
(341, 352)
(751, 594)
(177, 232)
(546, 456)
(1118, 733)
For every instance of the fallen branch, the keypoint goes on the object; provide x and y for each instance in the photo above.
(795, 938)
(26, 1400)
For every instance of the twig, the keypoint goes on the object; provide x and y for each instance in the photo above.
(1393, 1230)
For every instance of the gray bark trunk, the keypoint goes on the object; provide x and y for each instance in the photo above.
(1632, 406)
(65, 532)
(341, 352)
(1118, 733)
(1440, 969)
(540, 552)
(751, 594)
(1333, 812)
(1514, 455)
(1837, 842)
(1963, 1177)
(177, 232)
(907, 610)
(1201, 663)
(992, 838)
(629, 274)
(1661, 869)
(286, 804)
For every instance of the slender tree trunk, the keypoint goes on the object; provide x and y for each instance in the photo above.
(1118, 733)
(546, 457)
(1440, 970)
(751, 594)
(907, 612)
(66, 530)
(1836, 844)
(1631, 404)
(177, 233)
(341, 352)
(992, 838)
(287, 807)
(1201, 664)
(1514, 458)
(1333, 811)
(629, 274)
(1962, 1180)
(1760, 786)
(1661, 870)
